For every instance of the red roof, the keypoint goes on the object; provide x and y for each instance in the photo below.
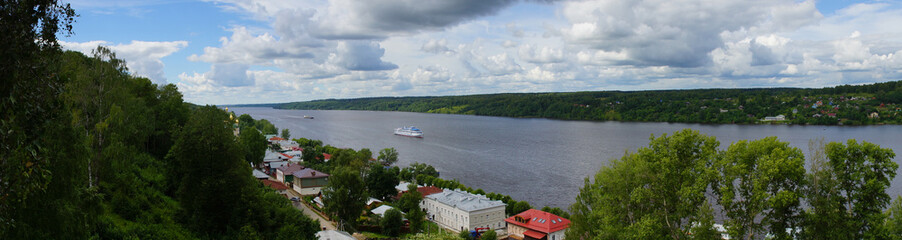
(539, 221)
(534, 234)
(274, 185)
(276, 139)
(327, 156)
(286, 155)
(427, 190)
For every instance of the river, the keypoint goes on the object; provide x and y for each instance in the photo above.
(538, 160)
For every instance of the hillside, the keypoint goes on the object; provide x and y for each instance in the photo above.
(844, 105)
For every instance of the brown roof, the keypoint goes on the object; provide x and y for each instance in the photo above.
(274, 184)
(309, 173)
(424, 191)
(290, 168)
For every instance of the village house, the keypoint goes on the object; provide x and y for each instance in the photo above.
(424, 191)
(535, 224)
(308, 181)
(780, 117)
(259, 174)
(279, 187)
(461, 211)
(284, 173)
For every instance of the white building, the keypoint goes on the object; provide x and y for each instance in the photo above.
(460, 211)
(777, 118)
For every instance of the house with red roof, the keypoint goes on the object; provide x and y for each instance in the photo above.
(279, 187)
(424, 191)
(536, 224)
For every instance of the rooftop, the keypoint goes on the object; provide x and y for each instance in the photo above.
(539, 221)
(463, 200)
(290, 168)
(424, 191)
(259, 174)
(309, 173)
(273, 184)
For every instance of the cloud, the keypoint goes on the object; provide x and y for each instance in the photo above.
(360, 56)
(676, 33)
(230, 75)
(243, 47)
(544, 54)
(430, 75)
(143, 58)
(436, 46)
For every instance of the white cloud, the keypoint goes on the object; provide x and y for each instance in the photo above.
(360, 56)
(544, 54)
(436, 46)
(676, 33)
(143, 58)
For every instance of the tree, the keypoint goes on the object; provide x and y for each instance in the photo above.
(245, 121)
(759, 185)
(848, 200)
(286, 134)
(345, 196)
(211, 172)
(893, 223)
(391, 223)
(464, 235)
(489, 235)
(416, 216)
(381, 182)
(30, 103)
(388, 156)
(254, 145)
(654, 193)
(410, 200)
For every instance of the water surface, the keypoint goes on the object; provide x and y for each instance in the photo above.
(538, 160)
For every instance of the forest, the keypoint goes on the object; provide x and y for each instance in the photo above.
(879, 103)
(90, 151)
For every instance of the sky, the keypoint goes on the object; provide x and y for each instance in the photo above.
(274, 51)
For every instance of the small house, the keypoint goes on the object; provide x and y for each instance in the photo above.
(536, 224)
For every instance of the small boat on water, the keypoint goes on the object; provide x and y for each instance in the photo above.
(409, 132)
(308, 117)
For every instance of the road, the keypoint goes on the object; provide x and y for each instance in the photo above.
(323, 223)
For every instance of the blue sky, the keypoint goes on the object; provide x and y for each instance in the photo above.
(262, 51)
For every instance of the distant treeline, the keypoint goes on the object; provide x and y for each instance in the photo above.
(847, 105)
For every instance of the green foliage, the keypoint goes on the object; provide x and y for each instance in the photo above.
(210, 170)
(388, 156)
(245, 121)
(266, 127)
(433, 236)
(416, 217)
(893, 223)
(851, 194)
(31, 110)
(391, 223)
(254, 144)
(759, 184)
(653, 193)
(489, 235)
(689, 106)
(345, 196)
(410, 200)
(381, 182)
(286, 134)
(464, 235)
